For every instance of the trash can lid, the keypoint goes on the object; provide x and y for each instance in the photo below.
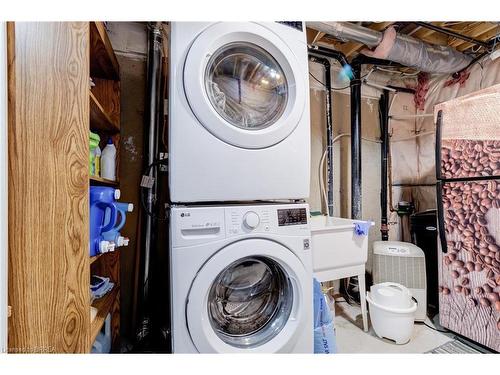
(391, 295)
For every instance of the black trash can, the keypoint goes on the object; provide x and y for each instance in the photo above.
(423, 227)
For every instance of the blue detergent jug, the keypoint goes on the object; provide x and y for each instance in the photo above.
(101, 198)
(114, 234)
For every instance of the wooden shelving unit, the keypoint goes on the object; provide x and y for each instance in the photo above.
(103, 63)
(104, 119)
(49, 263)
(103, 306)
(103, 181)
(100, 121)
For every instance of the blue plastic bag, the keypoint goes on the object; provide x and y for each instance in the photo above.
(361, 228)
(324, 329)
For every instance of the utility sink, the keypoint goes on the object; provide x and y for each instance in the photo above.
(335, 244)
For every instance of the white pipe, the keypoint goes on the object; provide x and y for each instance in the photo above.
(411, 137)
(3, 188)
(402, 117)
(322, 187)
(377, 86)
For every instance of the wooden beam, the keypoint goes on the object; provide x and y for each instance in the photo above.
(311, 34)
(484, 37)
(318, 37)
(476, 32)
(431, 36)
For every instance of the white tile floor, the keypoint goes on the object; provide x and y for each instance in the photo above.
(352, 339)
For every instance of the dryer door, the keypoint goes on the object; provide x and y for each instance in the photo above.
(244, 84)
(247, 298)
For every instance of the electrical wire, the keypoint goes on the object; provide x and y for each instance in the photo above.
(435, 329)
(142, 188)
(398, 72)
(341, 88)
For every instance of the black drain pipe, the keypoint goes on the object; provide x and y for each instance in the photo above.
(148, 223)
(326, 52)
(319, 55)
(356, 195)
(328, 103)
(384, 129)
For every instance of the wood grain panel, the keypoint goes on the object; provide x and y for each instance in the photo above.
(48, 187)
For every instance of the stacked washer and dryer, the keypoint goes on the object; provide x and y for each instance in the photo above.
(239, 171)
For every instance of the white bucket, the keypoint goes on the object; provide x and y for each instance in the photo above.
(392, 311)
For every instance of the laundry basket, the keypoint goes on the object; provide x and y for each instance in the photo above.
(392, 311)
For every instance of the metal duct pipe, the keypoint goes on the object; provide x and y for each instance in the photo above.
(329, 132)
(356, 195)
(384, 128)
(401, 48)
(347, 31)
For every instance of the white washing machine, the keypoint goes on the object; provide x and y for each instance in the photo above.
(241, 279)
(239, 126)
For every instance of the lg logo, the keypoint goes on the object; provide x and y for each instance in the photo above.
(185, 214)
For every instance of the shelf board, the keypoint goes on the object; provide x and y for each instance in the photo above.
(103, 306)
(99, 119)
(94, 258)
(103, 62)
(103, 181)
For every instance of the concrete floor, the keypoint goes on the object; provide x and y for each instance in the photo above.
(352, 339)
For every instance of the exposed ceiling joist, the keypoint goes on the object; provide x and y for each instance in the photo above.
(431, 36)
(477, 31)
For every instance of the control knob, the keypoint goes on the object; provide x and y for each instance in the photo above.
(251, 220)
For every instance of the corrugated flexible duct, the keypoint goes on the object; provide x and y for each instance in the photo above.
(399, 48)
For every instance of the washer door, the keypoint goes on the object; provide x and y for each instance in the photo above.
(244, 84)
(246, 298)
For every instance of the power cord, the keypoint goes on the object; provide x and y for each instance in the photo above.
(435, 329)
(341, 88)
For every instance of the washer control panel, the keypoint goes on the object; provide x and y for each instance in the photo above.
(281, 219)
(197, 225)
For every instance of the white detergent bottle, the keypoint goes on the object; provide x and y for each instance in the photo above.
(108, 161)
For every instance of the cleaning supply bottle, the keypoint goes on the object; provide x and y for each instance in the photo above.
(102, 198)
(93, 143)
(108, 161)
(97, 161)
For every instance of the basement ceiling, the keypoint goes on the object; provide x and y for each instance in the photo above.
(482, 31)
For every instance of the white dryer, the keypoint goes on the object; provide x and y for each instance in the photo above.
(239, 127)
(241, 279)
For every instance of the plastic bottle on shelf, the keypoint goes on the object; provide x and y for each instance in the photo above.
(93, 143)
(97, 161)
(108, 161)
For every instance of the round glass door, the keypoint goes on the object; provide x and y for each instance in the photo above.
(250, 302)
(247, 298)
(246, 86)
